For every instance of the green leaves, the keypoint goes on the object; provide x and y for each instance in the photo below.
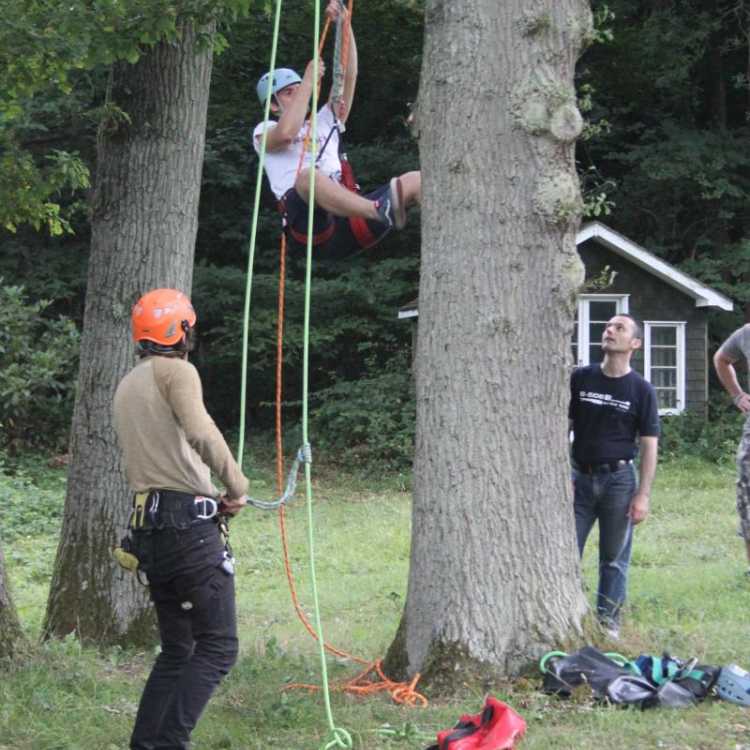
(43, 44)
(37, 355)
(26, 188)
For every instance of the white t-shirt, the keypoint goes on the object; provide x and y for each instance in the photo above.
(281, 166)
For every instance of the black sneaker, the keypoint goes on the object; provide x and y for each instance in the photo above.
(384, 208)
(398, 209)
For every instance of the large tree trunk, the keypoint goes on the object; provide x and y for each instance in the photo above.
(144, 224)
(494, 577)
(10, 627)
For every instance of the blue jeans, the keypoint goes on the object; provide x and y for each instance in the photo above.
(605, 497)
(194, 600)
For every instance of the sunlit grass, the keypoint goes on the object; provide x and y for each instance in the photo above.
(688, 595)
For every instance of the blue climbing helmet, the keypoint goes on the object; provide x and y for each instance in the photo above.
(282, 77)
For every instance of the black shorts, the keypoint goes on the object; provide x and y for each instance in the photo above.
(333, 236)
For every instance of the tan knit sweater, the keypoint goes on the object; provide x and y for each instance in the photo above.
(168, 439)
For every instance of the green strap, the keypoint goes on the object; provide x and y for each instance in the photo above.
(657, 674)
(623, 661)
(547, 657)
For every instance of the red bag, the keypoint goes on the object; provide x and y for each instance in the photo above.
(497, 727)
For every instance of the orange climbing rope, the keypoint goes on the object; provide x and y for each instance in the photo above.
(372, 679)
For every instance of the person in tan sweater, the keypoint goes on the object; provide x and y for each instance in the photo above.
(170, 447)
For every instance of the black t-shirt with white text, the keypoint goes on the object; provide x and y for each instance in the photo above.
(608, 413)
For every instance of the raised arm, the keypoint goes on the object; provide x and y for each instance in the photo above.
(293, 103)
(333, 9)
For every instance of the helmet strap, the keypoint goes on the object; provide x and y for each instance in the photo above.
(182, 348)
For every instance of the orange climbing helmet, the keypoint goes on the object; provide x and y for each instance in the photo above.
(163, 317)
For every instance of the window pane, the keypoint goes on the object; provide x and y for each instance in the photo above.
(663, 377)
(663, 336)
(664, 357)
(666, 398)
(595, 354)
(602, 311)
(596, 331)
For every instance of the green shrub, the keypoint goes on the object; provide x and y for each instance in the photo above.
(38, 357)
(21, 479)
(691, 434)
(371, 420)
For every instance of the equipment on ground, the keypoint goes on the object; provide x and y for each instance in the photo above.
(496, 727)
(734, 685)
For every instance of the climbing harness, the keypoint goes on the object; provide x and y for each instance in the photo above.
(362, 684)
(168, 509)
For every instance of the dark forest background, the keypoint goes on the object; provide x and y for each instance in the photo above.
(664, 160)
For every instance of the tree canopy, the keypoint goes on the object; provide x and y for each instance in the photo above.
(665, 87)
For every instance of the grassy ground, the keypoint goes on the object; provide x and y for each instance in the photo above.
(688, 595)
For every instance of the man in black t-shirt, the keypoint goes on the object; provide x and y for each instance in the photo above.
(611, 406)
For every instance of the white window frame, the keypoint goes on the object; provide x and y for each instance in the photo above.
(679, 357)
(583, 343)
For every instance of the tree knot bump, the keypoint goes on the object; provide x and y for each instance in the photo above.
(558, 198)
(566, 123)
(533, 116)
(573, 272)
(542, 102)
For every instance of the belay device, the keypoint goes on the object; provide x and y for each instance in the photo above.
(497, 727)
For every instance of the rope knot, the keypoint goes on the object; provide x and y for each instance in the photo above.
(341, 738)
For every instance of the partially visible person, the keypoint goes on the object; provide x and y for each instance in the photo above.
(344, 221)
(170, 446)
(613, 413)
(734, 350)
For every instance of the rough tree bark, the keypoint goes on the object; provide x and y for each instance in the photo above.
(10, 627)
(494, 577)
(144, 221)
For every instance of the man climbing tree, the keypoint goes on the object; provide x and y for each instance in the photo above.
(344, 221)
(494, 577)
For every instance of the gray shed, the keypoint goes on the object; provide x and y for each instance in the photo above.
(672, 306)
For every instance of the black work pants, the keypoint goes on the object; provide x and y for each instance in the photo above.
(194, 600)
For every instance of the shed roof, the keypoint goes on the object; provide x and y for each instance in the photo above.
(703, 295)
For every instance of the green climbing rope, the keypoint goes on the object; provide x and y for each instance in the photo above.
(340, 738)
(253, 238)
